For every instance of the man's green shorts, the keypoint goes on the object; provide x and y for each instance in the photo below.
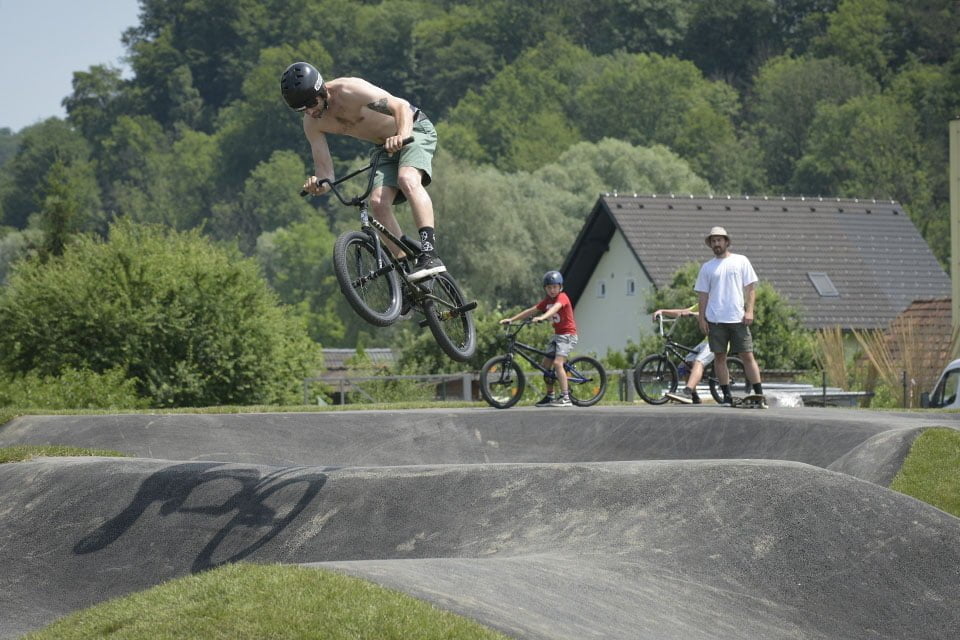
(418, 153)
(735, 334)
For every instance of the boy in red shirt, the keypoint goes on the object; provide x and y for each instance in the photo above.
(557, 308)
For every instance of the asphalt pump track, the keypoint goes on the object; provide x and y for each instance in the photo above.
(653, 522)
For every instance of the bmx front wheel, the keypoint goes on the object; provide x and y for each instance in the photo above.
(452, 328)
(586, 380)
(501, 382)
(654, 378)
(368, 281)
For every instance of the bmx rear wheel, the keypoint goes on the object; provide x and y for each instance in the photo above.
(586, 380)
(739, 386)
(453, 330)
(368, 281)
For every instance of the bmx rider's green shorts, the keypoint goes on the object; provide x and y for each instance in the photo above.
(418, 153)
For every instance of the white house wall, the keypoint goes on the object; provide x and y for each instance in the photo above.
(609, 321)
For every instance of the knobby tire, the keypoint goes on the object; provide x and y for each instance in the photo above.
(590, 391)
(375, 298)
(501, 382)
(454, 331)
(654, 378)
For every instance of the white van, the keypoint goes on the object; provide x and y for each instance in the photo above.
(945, 394)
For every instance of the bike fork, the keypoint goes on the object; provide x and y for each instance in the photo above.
(371, 231)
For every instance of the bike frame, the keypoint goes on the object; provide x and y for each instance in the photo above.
(671, 347)
(417, 292)
(522, 349)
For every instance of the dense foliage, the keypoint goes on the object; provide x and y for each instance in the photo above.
(540, 106)
(193, 324)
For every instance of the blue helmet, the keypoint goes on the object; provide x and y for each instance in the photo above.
(552, 277)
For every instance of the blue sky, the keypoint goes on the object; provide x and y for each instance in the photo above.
(42, 42)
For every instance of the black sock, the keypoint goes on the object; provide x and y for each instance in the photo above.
(758, 389)
(427, 242)
(725, 388)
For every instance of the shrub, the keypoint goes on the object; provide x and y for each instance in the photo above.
(73, 390)
(191, 323)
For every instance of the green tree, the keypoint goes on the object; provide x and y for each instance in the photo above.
(785, 98)
(9, 141)
(269, 200)
(193, 324)
(635, 26)
(59, 210)
(730, 39)
(297, 260)
(647, 99)
(98, 98)
(23, 179)
(860, 34)
(452, 56)
(519, 120)
(161, 177)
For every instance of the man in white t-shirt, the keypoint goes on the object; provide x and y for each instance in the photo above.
(726, 287)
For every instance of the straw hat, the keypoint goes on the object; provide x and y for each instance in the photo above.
(717, 231)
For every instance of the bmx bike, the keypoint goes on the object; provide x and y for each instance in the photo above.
(376, 283)
(659, 373)
(502, 381)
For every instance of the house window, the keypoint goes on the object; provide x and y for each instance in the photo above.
(631, 287)
(822, 283)
(602, 289)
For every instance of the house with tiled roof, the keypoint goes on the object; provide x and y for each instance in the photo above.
(851, 263)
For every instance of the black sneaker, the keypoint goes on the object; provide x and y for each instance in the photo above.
(546, 401)
(726, 402)
(682, 395)
(426, 267)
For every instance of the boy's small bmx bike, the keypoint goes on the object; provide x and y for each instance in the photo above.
(502, 380)
(376, 285)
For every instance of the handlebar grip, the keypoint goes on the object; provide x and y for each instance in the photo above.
(304, 192)
(407, 140)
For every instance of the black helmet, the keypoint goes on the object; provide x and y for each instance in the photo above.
(552, 277)
(301, 86)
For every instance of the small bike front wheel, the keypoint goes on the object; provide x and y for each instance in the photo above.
(586, 380)
(501, 382)
(654, 378)
(739, 386)
(367, 279)
(451, 325)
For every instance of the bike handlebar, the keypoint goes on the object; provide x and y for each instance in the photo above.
(672, 321)
(372, 167)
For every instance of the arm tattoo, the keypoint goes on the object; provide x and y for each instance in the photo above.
(380, 106)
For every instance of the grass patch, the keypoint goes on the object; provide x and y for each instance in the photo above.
(241, 601)
(931, 472)
(21, 453)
